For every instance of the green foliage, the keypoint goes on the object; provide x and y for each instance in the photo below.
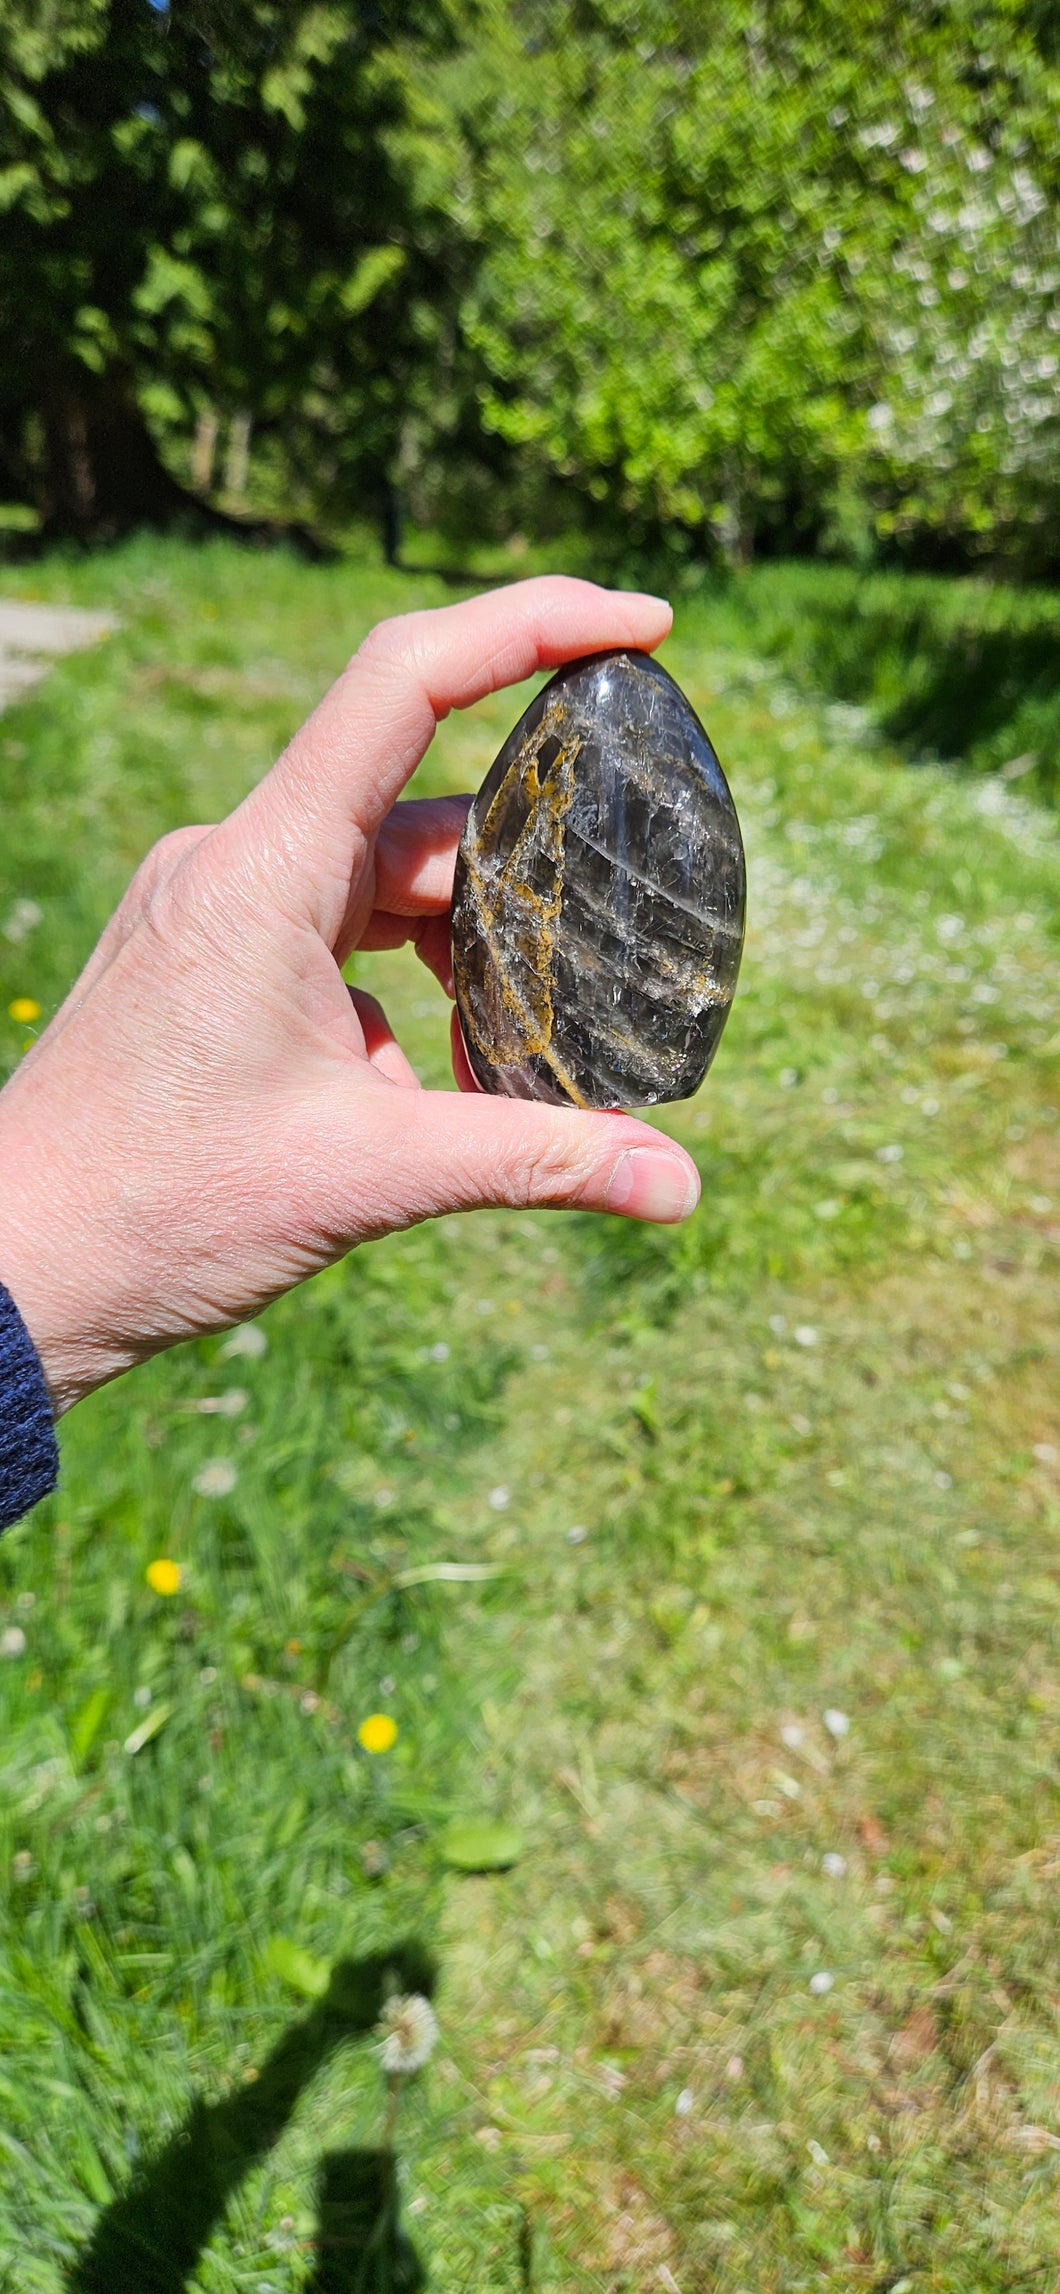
(749, 271)
(733, 277)
(200, 207)
(473, 1845)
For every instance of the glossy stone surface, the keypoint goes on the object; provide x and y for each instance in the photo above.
(598, 907)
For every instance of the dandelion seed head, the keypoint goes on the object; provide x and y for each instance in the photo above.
(20, 920)
(407, 2032)
(216, 1478)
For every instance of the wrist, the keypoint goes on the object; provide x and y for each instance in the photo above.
(43, 1268)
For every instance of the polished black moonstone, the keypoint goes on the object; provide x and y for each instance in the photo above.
(598, 908)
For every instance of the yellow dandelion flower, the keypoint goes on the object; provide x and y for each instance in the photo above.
(24, 1009)
(164, 1576)
(377, 1733)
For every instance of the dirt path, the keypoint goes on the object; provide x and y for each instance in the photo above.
(31, 636)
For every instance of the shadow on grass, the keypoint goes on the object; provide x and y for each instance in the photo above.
(151, 2240)
(360, 2245)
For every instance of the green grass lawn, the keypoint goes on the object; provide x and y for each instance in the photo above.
(766, 1670)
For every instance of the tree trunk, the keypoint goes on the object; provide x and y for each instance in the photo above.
(205, 448)
(392, 523)
(238, 456)
(100, 474)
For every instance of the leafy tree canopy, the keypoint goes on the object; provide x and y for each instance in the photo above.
(778, 269)
(740, 274)
(200, 205)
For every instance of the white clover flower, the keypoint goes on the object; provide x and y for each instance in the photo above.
(821, 1983)
(12, 1642)
(408, 2034)
(837, 1723)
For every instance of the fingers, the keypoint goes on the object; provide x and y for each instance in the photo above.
(435, 1152)
(462, 1068)
(434, 947)
(382, 1049)
(332, 789)
(415, 854)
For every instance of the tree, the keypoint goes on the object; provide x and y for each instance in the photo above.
(201, 208)
(771, 272)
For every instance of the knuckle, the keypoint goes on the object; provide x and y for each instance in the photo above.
(163, 856)
(383, 645)
(162, 896)
(401, 643)
(541, 1170)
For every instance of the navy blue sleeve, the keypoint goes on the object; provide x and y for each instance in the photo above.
(29, 1457)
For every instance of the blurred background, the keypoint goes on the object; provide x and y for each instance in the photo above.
(708, 1579)
(738, 282)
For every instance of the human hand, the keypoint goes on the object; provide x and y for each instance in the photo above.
(213, 1114)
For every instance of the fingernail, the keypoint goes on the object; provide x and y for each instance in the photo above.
(647, 1183)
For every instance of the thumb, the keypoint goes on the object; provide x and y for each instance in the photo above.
(450, 1151)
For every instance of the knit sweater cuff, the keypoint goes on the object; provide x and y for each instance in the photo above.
(29, 1457)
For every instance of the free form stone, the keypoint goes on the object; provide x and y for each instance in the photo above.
(599, 899)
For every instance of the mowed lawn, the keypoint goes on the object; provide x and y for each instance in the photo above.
(765, 1670)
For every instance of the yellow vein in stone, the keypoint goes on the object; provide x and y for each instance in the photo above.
(540, 1049)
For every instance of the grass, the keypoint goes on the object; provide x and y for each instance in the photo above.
(766, 1674)
(964, 670)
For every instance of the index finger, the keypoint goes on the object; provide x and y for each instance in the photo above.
(316, 812)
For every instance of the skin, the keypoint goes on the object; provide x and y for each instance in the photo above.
(213, 1114)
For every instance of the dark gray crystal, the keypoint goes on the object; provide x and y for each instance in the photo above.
(598, 906)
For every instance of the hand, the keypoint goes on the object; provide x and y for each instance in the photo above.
(213, 1114)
